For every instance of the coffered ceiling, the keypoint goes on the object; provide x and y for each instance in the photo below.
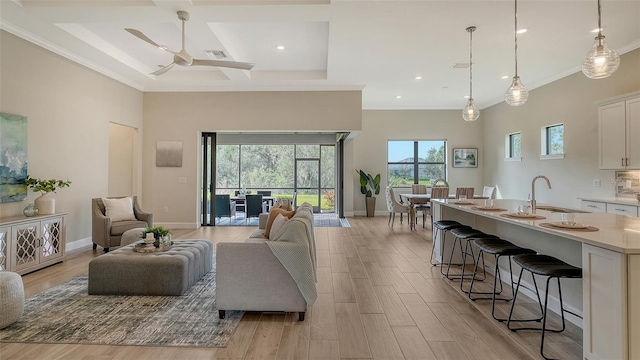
(377, 46)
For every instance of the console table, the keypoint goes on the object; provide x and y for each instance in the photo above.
(31, 243)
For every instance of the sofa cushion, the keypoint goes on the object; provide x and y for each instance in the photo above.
(258, 235)
(119, 227)
(272, 216)
(277, 225)
(119, 209)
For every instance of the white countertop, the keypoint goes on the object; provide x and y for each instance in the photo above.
(614, 200)
(618, 233)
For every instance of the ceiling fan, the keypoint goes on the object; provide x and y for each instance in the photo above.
(183, 58)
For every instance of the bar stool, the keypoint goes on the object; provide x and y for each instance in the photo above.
(464, 234)
(498, 248)
(444, 226)
(550, 267)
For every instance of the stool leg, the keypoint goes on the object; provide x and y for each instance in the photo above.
(433, 245)
(453, 249)
(542, 310)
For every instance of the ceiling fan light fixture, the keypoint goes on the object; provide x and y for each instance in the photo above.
(471, 111)
(601, 61)
(516, 94)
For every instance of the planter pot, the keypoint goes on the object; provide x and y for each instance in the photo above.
(371, 206)
(46, 204)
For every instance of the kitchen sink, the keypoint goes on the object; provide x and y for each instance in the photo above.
(559, 209)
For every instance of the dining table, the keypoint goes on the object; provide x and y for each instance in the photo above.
(414, 199)
(239, 199)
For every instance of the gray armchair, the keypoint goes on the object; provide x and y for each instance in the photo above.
(107, 233)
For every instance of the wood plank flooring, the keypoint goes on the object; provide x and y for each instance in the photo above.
(378, 299)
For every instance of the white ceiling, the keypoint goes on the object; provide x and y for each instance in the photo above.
(377, 46)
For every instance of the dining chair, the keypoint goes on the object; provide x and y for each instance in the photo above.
(438, 192)
(254, 205)
(394, 207)
(225, 207)
(489, 192)
(267, 203)
(468, 191)
(424, 207)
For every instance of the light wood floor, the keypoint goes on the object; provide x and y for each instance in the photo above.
(378, 299)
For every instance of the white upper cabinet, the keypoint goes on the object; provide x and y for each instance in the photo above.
(619, 134)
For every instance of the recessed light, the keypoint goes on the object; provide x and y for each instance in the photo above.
(504, 77)
(418, 77)
(398, 96)
(280, 47)
(521, 31)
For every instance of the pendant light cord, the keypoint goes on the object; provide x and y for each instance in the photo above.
(515, 33)
(599, 25)
(470, 30)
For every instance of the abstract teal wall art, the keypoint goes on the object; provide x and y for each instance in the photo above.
(13, 157)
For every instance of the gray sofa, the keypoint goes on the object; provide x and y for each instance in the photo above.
(250, 277)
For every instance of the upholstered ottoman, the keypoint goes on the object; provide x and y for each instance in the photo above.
(126, 272)
(131, 236)
(11, 298)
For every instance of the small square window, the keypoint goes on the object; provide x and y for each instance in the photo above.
(513, 147)
(552, 142)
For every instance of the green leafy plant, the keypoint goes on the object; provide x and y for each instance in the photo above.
(45, 186)
(369, 185)
(158, 232)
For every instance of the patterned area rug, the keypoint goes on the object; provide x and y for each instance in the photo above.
(66, 314)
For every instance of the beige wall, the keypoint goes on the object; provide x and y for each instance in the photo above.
(378, 126)
(184, 116)
(571, 101)
(122, 154)
(69, 109)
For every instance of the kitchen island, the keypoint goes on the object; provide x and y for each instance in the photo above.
(608, 296)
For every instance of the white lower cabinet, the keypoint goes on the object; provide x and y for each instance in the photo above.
(28, 244)
(628, 210)
(611, 311)
(612, 208)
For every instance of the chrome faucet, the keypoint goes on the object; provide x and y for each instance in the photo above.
(533, 191)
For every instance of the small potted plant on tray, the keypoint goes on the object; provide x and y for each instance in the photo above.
(160, 233)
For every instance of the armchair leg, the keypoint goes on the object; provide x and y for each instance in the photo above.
(221, 314)
(95, 246)
(106, 250)
(301, 316)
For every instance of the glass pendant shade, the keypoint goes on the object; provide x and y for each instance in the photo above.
(516, 94)
(601, 61)
(471, 111)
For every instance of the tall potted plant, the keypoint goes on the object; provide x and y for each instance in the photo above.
(45, 203)
(369, 186)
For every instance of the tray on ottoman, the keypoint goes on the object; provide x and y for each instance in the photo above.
(126, 272)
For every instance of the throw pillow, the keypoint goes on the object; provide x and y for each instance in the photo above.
(272, 216)
(278, 224)
(119, 209)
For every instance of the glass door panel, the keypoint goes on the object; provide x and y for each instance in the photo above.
(308, 182)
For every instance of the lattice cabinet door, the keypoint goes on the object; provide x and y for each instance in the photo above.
(5, 233)
(51, 239)
(26, 240)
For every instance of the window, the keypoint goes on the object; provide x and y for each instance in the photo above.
(552, 142)
(513, 147)
(415, 162)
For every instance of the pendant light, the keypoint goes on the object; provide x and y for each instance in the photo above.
(471, 111)
(601, 61)
(516, 94)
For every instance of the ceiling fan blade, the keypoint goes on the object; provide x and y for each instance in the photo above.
(141, 36)
(163, 70)
(223, 63)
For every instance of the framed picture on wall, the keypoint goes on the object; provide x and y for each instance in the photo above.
(465, 158)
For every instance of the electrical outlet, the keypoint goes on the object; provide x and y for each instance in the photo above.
(596, 182)
(610, 180)
(166, 209)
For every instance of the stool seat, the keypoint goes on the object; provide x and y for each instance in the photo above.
(468, 232)
(547, 265)
(497, 246)
(447, 224)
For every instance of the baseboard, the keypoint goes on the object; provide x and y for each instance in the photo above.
(75, 245)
